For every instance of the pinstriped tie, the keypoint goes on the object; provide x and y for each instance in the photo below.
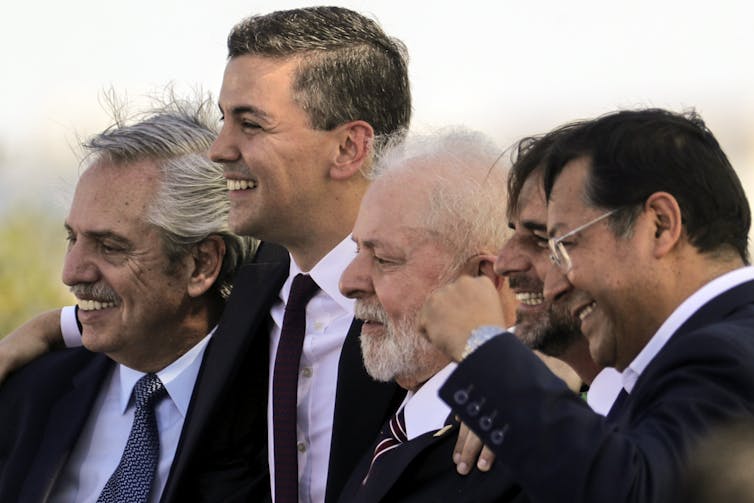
(392, 435)
(132, 480)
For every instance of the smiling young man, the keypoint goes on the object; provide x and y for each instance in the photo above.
(150, 261)
(647, 225)
(307, 97)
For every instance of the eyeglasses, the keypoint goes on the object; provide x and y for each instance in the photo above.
(558, 254)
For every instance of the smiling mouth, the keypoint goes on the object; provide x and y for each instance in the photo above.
(586, 311)
(530, 298)
(94, 305)
(234, 185)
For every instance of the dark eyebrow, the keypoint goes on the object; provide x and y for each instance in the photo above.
(534, 226)
(247, 109)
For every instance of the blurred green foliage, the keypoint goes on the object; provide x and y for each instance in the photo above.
(32, 247)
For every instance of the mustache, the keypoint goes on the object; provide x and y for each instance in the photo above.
(370, 311)
(236, 168)
(96, 291)
(525, 282)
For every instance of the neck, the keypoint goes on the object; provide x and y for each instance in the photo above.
(331, 225)
(578, 358)
(173, 342)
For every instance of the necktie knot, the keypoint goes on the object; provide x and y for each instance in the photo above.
(303, 289)
(147, 390)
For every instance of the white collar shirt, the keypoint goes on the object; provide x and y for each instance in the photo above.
(424, 411)
(679, 316)
(101, 443)
(328, 318)
(604, 390)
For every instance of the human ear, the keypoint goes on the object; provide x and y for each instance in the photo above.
(355, 141)
(666, 221)
(207, 263)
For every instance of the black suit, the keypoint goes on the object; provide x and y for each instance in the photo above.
(43, 408)
(422, 471)
(559, 450)
(223, 456)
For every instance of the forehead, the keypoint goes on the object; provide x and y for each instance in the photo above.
(390, 208)
(257, 78)
(566, 207)
(532, 204)
(112, 196)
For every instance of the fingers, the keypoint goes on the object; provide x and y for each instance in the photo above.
(470, 451)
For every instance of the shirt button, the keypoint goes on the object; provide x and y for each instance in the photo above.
(301, 447)
(319, 325)
(307, 372)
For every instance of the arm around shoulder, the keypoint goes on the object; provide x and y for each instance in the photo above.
(31, 340)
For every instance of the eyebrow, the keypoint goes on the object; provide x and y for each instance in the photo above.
(246, 109)
(100, 235)
(534, 225)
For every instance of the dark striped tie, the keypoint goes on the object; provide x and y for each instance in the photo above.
(392, 435)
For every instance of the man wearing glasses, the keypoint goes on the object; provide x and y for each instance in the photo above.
(648, 227)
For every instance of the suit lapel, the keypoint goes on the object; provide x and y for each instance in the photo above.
(245, 318)
(388, 471)
(65, 422)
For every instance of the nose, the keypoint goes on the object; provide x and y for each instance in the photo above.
(556, 283)
(78, 267)
(356, 280)
(511, 258)
(224, 149)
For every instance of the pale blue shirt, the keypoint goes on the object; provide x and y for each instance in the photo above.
(103, 439)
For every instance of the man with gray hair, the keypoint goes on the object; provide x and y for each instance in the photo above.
(432, 214)
(151, 262)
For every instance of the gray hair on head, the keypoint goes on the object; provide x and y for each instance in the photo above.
(463, 182)
(192, 201)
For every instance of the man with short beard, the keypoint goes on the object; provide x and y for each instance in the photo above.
(431, 215)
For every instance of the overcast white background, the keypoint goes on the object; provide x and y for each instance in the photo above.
(509, 68)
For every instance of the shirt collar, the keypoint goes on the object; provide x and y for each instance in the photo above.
(424, 411)
(178, 377)
(326, 273)
(678, 317)
(604, 390)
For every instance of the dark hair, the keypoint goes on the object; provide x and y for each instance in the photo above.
(530, 154)
(636, 153)
(351, 70)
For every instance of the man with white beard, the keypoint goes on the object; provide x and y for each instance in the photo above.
(432, 213)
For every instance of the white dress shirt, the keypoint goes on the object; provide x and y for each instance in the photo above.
(604, 390)
(103, 439)
(424, 411)
(682, 313)
(328, 317)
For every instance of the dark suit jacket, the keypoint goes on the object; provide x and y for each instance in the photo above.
(559, 450)
(422, 471)
(223, 452)
(43, 408)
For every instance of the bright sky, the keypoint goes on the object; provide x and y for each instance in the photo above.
(509, 68)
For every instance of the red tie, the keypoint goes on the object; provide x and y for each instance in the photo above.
(285, 387)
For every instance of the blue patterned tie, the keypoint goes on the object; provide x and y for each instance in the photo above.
(131, 482)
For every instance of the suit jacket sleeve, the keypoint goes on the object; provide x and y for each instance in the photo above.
(559, 450)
